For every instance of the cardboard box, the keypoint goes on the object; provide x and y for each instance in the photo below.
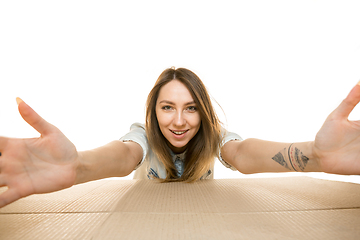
(274, 208)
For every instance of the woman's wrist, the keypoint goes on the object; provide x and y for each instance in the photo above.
(303, 157)
(80, 169)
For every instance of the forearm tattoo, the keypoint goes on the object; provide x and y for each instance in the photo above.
(297, 160)
(279, 158)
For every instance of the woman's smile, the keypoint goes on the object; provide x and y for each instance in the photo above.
(179, 134)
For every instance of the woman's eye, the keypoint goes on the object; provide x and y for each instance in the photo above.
(166, 108)
(192, 108)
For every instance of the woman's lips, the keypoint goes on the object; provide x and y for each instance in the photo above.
(179, 133)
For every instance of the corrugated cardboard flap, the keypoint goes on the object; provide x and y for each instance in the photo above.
(276, 208)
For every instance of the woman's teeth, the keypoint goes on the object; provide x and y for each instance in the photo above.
(178, 133)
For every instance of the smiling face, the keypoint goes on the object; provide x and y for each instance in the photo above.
(177, 115)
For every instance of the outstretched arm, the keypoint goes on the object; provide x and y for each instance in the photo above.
(51, 162)
(257, 156)
(336, 148)
(115, 159)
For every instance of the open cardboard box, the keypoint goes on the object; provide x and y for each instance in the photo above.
(274, 208)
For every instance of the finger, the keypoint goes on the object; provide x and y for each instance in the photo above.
(32, 118)
(2, 181)
(349, 103)
(8, 197)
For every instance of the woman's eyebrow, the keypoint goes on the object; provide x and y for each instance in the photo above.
(170, 102)
(190, 103)
(166, 101)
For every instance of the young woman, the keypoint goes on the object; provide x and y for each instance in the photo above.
(179, 141)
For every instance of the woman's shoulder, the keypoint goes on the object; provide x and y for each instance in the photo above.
(137, 132)
(137, 125)
(229, 136)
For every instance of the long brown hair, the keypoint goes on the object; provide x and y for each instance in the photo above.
(204, 146)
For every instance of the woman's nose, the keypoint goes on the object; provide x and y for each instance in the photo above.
(179, 119)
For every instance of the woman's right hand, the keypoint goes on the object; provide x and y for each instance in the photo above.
(36, 165)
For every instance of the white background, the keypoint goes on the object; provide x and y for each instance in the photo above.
(277, 68)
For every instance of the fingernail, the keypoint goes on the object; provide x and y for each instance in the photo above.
(18, 100)
(358, 83)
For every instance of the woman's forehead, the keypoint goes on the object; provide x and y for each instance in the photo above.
(176, 92)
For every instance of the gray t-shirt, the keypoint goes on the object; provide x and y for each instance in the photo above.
(150, 166)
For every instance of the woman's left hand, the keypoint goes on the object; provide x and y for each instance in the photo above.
(337, 144)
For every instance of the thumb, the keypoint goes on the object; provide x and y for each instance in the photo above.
(349, 103)
(32, 118)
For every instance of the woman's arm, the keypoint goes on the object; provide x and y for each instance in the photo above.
(115, 159)
(256, 156)
(336, 148)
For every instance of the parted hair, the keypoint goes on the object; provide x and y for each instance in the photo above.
(203, 147)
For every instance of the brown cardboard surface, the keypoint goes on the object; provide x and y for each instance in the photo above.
(274, 208)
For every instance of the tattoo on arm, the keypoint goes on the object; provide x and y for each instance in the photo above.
(296, 158)
(279, 158)
(300, 159)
